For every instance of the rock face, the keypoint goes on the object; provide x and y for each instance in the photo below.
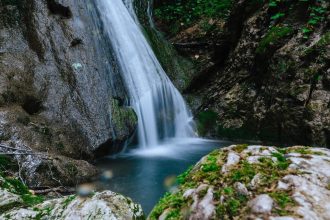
(283, 183)
(56, 82)
(264, 71)
(105, 205)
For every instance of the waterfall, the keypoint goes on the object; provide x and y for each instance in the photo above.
(160, 108)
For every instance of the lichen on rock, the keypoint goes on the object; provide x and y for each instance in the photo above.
(18, 203)
(281, 183)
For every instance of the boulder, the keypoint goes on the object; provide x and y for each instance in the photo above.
(103, 205)
(284, 183)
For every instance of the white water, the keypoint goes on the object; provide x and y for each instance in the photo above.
(161, 110)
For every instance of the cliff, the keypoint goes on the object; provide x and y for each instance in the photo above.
(262, 67)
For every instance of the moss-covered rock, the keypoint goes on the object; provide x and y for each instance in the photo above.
(18, 202)
(104, 205)
(124, 120)
(250, 182)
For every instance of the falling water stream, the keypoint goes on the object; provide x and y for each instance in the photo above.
(167, 143)
(160, 108)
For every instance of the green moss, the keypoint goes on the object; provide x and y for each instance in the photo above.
(68, 200)
(206, 121)
(240, 147)
(188, 180)
(233, 203)
(304, 150)
(31, 200)
(122, 117)
(244, 173)
(181, 179)
(173, 214)
(282, 150)
(180, 69)
(17, 187)
(211, 164)
(174, 202)
(282, 161)
(42, 212)
(274, 35)
(283, 200)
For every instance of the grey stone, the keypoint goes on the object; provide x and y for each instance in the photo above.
(261, 204)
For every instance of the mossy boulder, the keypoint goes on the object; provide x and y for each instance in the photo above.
(252, 182)
(124, 120)
(104, 205)
(18, 203)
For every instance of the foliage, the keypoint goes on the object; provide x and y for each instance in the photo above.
(185, 12)
(277, 16)
(317, 13)
(274, 35)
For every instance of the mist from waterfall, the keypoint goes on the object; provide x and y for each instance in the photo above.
(160, 108)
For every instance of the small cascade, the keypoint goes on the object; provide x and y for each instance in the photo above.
(161, 110)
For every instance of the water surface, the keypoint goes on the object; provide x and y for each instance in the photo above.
(140, 173)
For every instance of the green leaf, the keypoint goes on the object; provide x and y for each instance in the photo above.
(277, 16)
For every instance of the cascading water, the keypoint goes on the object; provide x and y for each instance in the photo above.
(160, 108)
(165, 125)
